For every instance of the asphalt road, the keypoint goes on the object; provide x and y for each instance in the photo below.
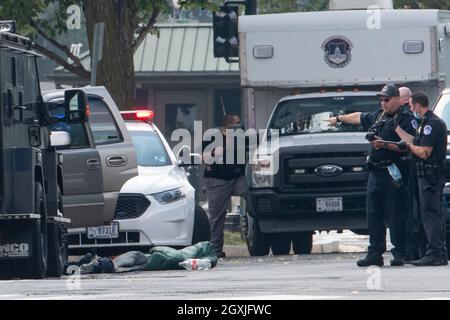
(316, 276)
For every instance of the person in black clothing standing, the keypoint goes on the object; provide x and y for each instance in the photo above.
(429, 149)
(222, 180)
(408, 193)
(384, 178)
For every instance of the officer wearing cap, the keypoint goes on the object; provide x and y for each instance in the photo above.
(429, 148)
(383, 159)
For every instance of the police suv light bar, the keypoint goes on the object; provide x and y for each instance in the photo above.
(8, 26)
(138, 115)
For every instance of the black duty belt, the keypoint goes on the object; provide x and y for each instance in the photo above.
(378, 165)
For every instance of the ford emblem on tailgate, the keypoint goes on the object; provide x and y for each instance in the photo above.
(328, 170)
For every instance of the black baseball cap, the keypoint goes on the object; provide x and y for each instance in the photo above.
(389, 90)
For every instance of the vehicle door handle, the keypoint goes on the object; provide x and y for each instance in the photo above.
(116, 161)
(93, 164)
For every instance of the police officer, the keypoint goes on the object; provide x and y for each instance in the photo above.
(381, 185)
(429, 148)
(408, 204)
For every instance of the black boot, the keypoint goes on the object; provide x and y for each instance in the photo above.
(371, 260)
(398, 262)
(429, 261)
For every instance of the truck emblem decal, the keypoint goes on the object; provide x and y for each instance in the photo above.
(337, 51)
(328, 170)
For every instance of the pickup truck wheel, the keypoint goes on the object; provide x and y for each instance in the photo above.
(257, 242)
(202, 231)
(280, 244)
(302, 242)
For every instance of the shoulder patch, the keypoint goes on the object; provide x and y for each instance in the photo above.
(414, 124)
(427, 130)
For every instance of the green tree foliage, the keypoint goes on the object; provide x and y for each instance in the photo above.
(127, 22)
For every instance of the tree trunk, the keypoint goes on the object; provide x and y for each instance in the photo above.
(116, 69)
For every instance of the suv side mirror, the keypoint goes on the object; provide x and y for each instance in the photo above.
(75, 106)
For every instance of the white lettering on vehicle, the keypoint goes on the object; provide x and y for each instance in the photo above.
(12, 250)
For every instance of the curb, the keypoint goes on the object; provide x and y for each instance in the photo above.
(318, 248)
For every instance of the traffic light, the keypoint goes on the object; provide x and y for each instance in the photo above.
(226, 37)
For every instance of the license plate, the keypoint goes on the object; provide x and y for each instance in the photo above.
(104, 232)
(328, 204)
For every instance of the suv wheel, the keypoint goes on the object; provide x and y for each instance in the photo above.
(257, 242)
(202, 231)
(302, 242)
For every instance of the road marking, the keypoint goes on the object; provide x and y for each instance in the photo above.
(71, 297)
(283, 297)
(7, 296)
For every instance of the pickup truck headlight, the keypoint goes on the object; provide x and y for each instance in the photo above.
(262, 172)
(169, 196)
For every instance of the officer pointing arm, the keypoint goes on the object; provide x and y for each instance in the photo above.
(383, 158)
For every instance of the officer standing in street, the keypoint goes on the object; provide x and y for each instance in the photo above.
(383, 163)
(429, 149)
(222, 180)
(408, 204)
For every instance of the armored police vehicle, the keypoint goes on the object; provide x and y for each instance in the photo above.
(32, 224)
(316, 65)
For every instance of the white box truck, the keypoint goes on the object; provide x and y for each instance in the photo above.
(298, 69)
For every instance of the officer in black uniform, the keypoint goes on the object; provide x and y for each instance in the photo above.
(383, 159)
(408, 204)
(429, 148)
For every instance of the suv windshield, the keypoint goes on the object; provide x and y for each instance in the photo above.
(150, 149)
(442, 109)
(307, 116)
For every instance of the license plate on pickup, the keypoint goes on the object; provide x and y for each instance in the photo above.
(329, 204)
(103, 232)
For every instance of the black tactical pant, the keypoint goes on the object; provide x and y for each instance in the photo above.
(381, 202)
(415, 236)
(433, 218)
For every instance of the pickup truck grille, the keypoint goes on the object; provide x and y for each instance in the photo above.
(298, 172)
(131, 206)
